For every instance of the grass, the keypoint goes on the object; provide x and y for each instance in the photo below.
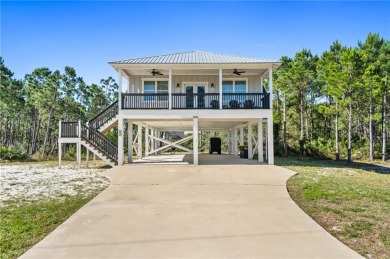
(352, 202)
(22, 227)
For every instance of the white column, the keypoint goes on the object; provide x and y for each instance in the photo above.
(170, 89)
(220, 88)
(235, 138)
(270, 86)
(270, 141)
(87, 157)
(195, 139)
(120, 89)
(146, 141)
(229, 142)
(241, 135)
(139, 142)
(250, 145)
(79, 146)
(260, 140)
(129, 141)
(120, 142)
(266, 143)
(59, 154)
(59, 146)
(261, 84)
(270, 123)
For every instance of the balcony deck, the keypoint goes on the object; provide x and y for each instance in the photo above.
(195, 101)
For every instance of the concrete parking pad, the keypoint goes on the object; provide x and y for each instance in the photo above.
(187, 211)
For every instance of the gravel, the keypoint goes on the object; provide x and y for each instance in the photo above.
(29, 183)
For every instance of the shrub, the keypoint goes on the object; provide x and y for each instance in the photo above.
(12, 153)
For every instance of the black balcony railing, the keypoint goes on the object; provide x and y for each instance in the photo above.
(245, 101)
(196, 101)
(69, 129)
(145, 101)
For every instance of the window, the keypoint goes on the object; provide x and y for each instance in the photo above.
(156, 87)
(233, 87)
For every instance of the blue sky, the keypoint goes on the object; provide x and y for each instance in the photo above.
(86, 35)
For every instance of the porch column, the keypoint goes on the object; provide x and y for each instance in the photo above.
(79, 146)
(229, 141)
(139, 142)
(59, 154)
(120, 89)
(129, 141)
(270, 123)
(146, 141)
(59, 145)
(270, 141)
(242, 135)
(78, 155)
(120, 141)
(235, 138)
(250, 145)
(260, 140)
(195, 139)
(270, 86)
(261, 84)
(220, 88)
(170, 89)
(87, 158)
(266, 143)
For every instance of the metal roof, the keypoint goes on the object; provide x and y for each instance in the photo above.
(195, 57)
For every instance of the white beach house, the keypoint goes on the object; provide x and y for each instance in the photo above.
(182, 92)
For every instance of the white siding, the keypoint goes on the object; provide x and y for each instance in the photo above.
(253, 82)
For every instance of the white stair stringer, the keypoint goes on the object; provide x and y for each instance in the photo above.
(98, 153)
(109, 124)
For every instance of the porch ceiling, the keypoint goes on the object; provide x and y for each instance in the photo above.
(186, 125)
(195, 71)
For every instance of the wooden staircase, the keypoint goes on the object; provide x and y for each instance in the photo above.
(91, 135)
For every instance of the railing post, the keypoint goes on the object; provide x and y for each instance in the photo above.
(79, 129)
(59, 129)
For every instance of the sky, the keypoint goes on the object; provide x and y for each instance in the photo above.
(87, 34)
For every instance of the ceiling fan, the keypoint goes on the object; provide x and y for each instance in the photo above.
(155, 72)
(236, 72)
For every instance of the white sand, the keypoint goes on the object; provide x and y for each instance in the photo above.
(34, 182)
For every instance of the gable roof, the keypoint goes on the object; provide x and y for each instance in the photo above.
(195, 57)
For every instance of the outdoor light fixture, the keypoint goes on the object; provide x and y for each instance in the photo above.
(178, 85)
(212, 85)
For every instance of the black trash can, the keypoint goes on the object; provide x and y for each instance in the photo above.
(215, 145)
(243, 151)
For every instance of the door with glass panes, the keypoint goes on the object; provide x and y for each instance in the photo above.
(195, 96)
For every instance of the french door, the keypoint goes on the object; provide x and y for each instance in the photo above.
(195, 95)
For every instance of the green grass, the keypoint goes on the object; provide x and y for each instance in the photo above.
(22, 227)
(351, 202)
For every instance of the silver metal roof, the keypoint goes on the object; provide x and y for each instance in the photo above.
(195, 57)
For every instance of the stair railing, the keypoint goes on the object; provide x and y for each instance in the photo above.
(99, 141)
(104, 116)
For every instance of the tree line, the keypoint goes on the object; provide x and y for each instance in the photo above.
(333, 106)
(30, 108)
(336, 104)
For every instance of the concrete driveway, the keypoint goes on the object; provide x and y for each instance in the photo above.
(186, 211)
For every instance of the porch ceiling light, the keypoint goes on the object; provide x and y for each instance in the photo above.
(177, 85)
(212, 84)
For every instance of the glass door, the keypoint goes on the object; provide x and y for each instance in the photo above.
(189, 96)
(195, 96)
(201, 90)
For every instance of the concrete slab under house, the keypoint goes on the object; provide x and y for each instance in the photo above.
(166, 101)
